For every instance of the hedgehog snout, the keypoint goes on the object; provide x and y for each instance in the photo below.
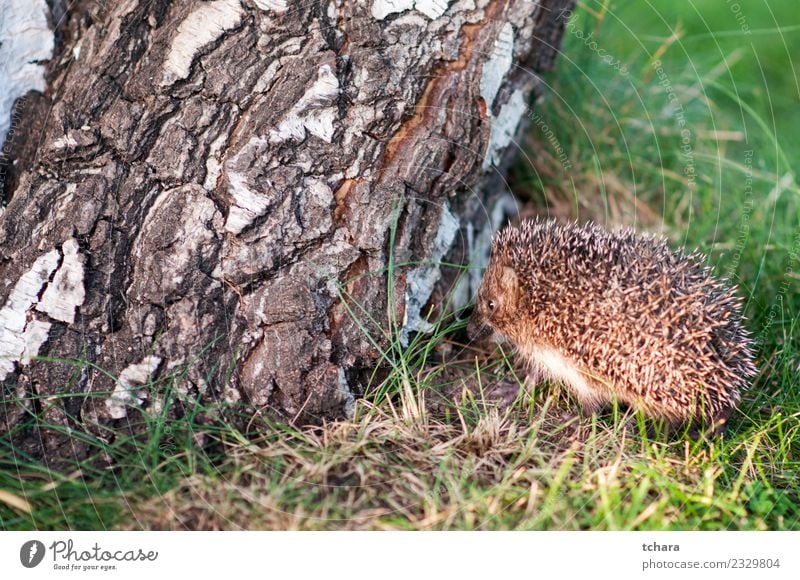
(477, 328)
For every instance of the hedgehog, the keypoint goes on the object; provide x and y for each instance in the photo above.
(617, 315)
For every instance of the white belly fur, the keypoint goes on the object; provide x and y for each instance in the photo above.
(559, 368)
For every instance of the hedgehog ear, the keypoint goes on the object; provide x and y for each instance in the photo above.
(509, 282)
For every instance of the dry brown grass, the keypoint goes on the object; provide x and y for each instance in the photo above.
(582, 192)
(391, 468)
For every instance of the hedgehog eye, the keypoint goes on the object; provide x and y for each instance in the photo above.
(491, 305)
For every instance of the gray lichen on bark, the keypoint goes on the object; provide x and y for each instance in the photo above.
(227, 180)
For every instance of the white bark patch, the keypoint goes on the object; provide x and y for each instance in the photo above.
(203, 26)
(349, 404)
(382, 8)
(505, 207)
(181, 225)
(421, 281)
(213, 166)
(66, 292)
(247, 204)
(67, 141)
(277, 6)
(126, 393)
(497, 66)
(36, 333)
(25, 38)
(504, 127)
(313, 112)
(316, 197)
(479, 247)
(431, 8)
(18, 336)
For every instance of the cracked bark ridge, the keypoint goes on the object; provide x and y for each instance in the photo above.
(213, 176)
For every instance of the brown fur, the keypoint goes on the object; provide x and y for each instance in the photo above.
(618, 314)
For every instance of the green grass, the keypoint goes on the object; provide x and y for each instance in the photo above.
(427, 448)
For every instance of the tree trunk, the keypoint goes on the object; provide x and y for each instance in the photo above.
(220, 186)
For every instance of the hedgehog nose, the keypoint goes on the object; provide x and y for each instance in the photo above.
(477, 328)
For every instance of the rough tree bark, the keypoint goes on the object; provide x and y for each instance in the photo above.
(212, 175)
